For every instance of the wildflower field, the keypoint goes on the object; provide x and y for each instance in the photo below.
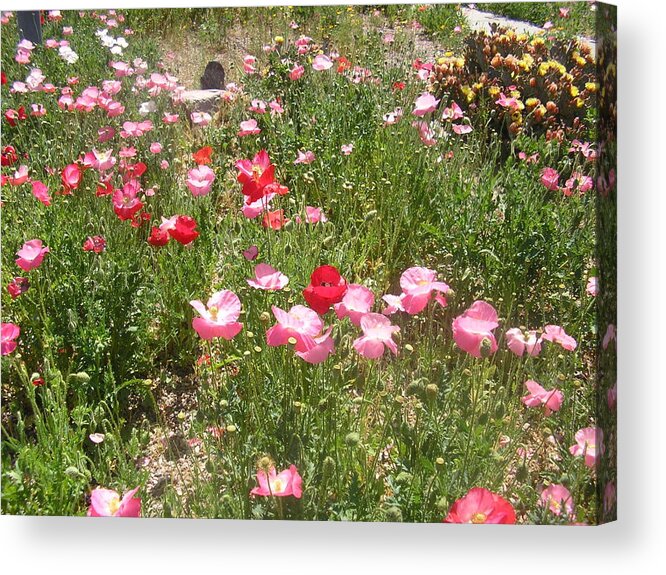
(374, 283)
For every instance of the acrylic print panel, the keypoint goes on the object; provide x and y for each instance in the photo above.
(311, 263)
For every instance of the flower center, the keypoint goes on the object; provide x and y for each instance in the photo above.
(114, 505)
(256, 172)
(277, 486)
(479, 518)
(213, 311)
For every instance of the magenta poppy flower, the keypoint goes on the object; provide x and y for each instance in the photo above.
(589, 444)
(302, 328)
(377, 334)
(418, 285)
(95, 244)
(425, 104)
(200, 180)
(556, 334)
(550, 178)
(538, 396)
(30, 256)
(219, 316)
(41, 192)
(268, 278)
(10, 333)
(519, 342)
(557, 498)
(287, 482)
(249, 128)
(472, 331)
(322, 62)
(251, 253)
(125, 201)
(18, 286)
(481, 506)
(107, 503)
(357, 301)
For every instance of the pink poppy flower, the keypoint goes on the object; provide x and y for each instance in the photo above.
(322, 62)
(125, 201)
(249, 128)
(276, 108)
(461, 129)
(347, 149)
(426, 134)
(589, 444)
(481, 506)
(519, 342)
(95, 244)
(170, 118)
(200, 180)
(425, 104)
(101, 161)
(287, 482)
(507, 102)
(251, 253)
(314, 215)
(418, 285)
(164, 165)
(304, 157)
(609, 336)
(155, 148)
(20, 176)
(453, 112)
(201, 119)
(557, 498)
(41, 192)
(268, 278)
(357, 301)
(592, 286)
(257, 106)
(30, 256)
(472, 331)
(548, 25)
(10, 333)
(107, 503)
(556, 334)
(611, 397)
(18, 286)
(219, 316)
(38, 110)
(105, 134)
(377, 334)
(538, 396)
(249, 64)
(301, 327)
(296, 72)
(254, 209)
(550, 178)
(392, 117)
(564, 12)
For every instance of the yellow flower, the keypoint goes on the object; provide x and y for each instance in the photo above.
(591, 87)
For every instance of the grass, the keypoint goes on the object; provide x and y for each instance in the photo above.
(189, 421)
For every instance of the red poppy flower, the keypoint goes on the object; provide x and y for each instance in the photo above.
(398, 85)
(158, 237)
(18, 286)
(133, 171)
(12, 115)
(4, 78)
(95, 244)
(255, 175)
(481, 506)
(38, 381)
(274, 220)
(327, 287)
(343, 64)
(104, 186)
(276, 188)
(184, 232)
(203, 155)
(9, 156)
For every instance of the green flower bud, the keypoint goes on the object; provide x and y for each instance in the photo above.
(352, 439)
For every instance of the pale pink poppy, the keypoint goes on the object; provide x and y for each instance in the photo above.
(314, 215)
(425, 133)
(609, 336)
(461, 129)
(453, 112)
(249, 128)
(10, 333)
(347, 149)
(164, 164)
(254, 209)
(201, 119)
(357, 301)
(96, 438)
(550, 400)
(392, 117)
(107, 503)
(200, 180)
(268, 278)
(38, 110)
(170, 118)
(305, 157)
(303, 327)
(257, 106)
(425, 104)
(418, 285)
(322, 62)
(548, 25)
(296, 72)
(100, 161)
(30, 256)
(377, 334)
(472, 331)
(276, 108)
(287, 482)
(249, 64)
(564, 12)
(219, 316)
(557, 499)
(519, 342)
(592, 286)
(556, 334)
(550, 178)
(589, 444)
(41, 192)
(507, 102)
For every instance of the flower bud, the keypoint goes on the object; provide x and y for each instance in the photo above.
(352, 439)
